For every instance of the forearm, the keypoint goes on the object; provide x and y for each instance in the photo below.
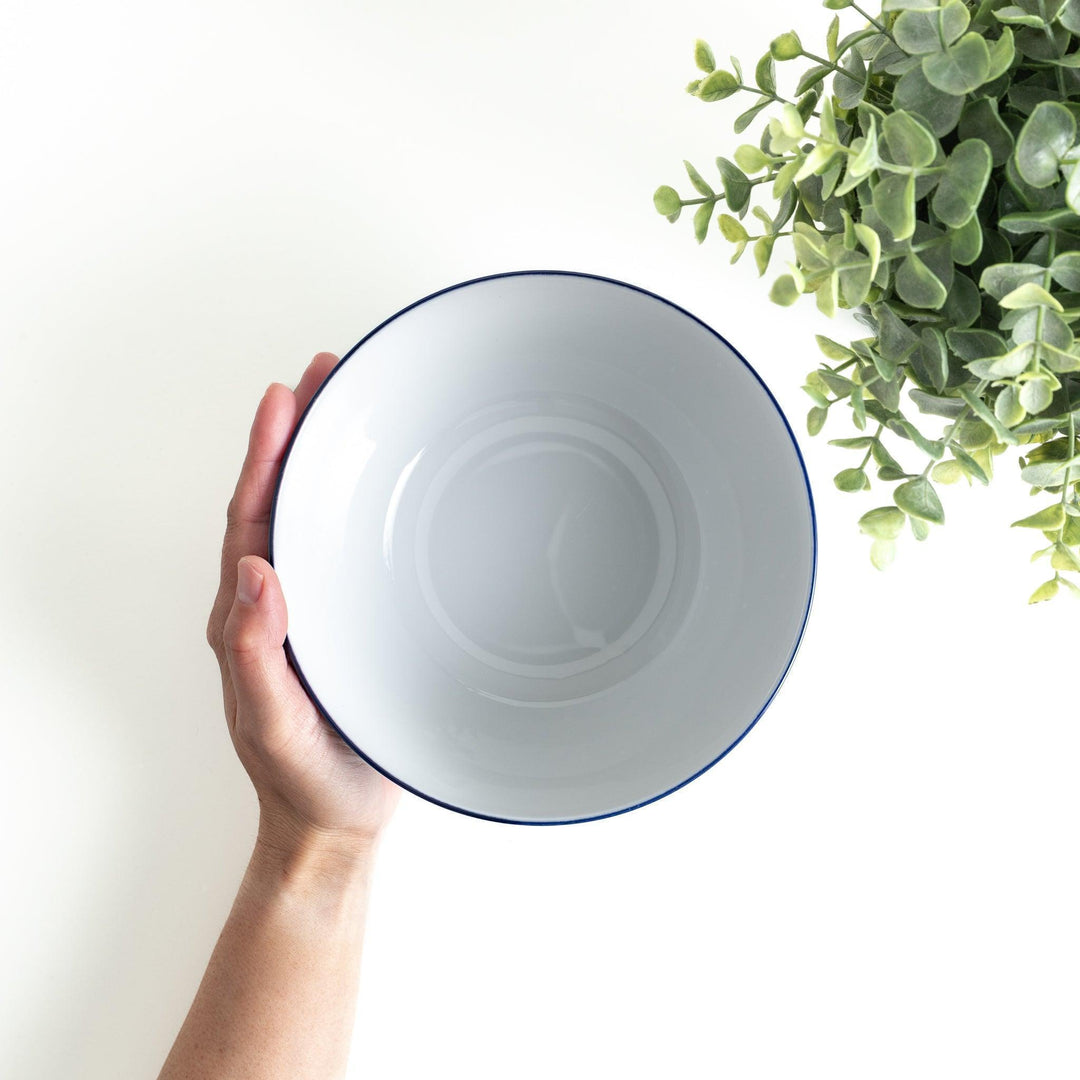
(279, 993)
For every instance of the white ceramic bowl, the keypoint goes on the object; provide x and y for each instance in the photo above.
(547, 544)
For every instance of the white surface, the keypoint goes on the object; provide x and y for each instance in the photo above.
(879, 882)
(528, 568)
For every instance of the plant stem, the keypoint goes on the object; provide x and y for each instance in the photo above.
(1050, 251)
(720, 195)
(870, 448)
(825, 63)
(771, 96)
(1050, 37)
(1066, 486)
(888, 257)
(873, 22)
(946, 437)
(765, 94)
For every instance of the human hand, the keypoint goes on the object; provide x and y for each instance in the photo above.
(312, 788)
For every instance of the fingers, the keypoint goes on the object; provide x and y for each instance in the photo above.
(275, 418)
(266, 693)
(313, 378)
(270, 431)
(248, 516)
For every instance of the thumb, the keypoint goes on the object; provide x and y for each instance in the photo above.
(254, 635)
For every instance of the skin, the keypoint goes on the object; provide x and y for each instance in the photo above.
(279, 993)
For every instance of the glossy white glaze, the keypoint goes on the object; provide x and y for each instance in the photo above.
(547, 546)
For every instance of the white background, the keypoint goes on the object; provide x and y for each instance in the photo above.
(880, 881)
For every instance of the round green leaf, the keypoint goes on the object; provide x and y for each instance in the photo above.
(1045, 326)
(947, 472)
(961, 68)
(967, 170)
(1051, 517)
(1068, 15)
(1046, 591)
(763, 247)
(1030, 295)
(883, 458)
(666, 200)
(967, 242)
(1049, 474)
(909, 142)
(745, 119)
(919, 499)
(717, 86)
(786, 46)
(983, 411)
(1047, 135)
(850, 83)
(1007, 407)
(919, 32)
(1063, 558)
(698, 181)
(872, 242)
(703, 56)
(975, 344)
(882, 523)
(1065, 270)
(765, 74)
(1000, 279)
(750, 158)
(894, 200)
(815, 418)
(1006, 366)
(916, 32)
(980, 120)
(882, 553)
(918, 285)
(851, 480)
(919, 528)
(861, 443)
(1035, 395)
(1058, 360)
(737, 186)
(812, 77)
(732, 228)
(833, 349)
(1002, 54)
(970, 465)
(1017, 16)
(913, 93)
(855, 278)
(1038, 221)
(702, 217)
(785, 292)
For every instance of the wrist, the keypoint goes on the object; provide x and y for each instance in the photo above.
(299, 857)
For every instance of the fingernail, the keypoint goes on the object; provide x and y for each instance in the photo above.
(249, 583)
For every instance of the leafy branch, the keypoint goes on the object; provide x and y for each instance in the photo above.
(924, 174)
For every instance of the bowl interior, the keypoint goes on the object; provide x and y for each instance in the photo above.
(547, 546)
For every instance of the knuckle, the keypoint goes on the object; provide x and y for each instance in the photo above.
(240, 637)
(215, 624)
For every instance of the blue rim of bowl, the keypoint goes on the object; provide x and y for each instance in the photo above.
(813, 555)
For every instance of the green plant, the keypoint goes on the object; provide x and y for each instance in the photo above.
(935, 192)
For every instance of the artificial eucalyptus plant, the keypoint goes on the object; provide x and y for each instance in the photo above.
(925, 170)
